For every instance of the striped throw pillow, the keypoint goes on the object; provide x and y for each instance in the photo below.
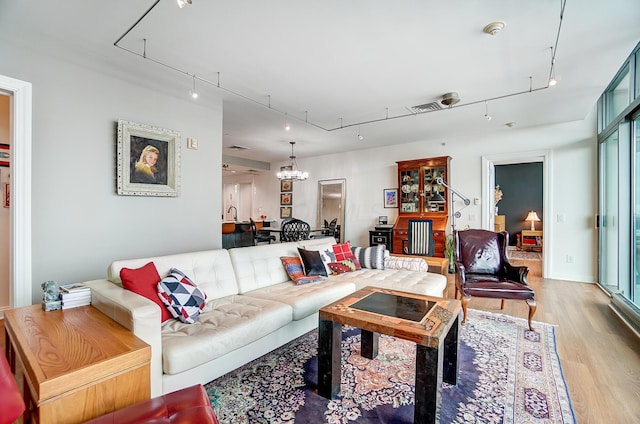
(370, 257)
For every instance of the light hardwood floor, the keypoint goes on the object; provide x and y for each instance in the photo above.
(600, 356)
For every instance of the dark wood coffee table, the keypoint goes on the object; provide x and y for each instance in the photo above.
(430, 322)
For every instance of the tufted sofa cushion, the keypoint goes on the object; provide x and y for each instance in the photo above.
(224, 325)
(305, 299)
(210, 270)
(260, 266)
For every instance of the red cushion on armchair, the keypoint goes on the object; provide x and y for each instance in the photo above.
(185, 406)
(11, 405)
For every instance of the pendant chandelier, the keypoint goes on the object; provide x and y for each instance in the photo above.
(291, 171)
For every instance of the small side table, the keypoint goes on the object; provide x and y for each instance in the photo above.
(77, 364)
(531, 240)
(381, 236)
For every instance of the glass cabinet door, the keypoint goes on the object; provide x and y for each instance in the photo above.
(435, 195)
(409, 190)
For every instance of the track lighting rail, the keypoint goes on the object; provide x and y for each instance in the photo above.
(342, 125)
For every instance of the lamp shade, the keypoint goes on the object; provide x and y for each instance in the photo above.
(533, 217)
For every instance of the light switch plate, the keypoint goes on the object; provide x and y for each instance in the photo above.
(192, 143)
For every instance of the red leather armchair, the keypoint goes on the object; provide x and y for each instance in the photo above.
(11, 403)
(185, 406)
(483, 270)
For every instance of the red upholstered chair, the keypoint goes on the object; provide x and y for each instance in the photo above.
(11, 403)
(483, 270)
(186, 406)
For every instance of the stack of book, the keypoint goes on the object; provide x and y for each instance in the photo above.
(74, 294)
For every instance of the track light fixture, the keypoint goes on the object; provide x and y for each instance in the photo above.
(287, 127)
(552, 77)
(486, 111)
(360, 137)
(193, 93)
(448, 99)
(553, 81)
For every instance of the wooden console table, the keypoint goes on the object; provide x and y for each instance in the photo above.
(77, 364)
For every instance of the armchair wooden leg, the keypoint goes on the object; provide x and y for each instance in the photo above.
(464, 301)
(501, 303)
(532, 310)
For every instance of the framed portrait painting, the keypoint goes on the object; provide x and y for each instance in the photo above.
(148, 160)
(286, 185)
(285, 212)
(286, 198)
(390, 197)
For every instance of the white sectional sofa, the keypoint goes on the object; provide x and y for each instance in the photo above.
(252, 308)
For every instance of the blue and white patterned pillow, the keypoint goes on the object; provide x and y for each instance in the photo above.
(183, 298)
(370, 257)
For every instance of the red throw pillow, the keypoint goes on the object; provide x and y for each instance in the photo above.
(144, 281)
(342, 251)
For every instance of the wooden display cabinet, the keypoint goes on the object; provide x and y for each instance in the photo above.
(421, 197)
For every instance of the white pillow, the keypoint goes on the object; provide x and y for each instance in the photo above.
(403, 262)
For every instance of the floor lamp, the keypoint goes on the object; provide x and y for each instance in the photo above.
(465, 200)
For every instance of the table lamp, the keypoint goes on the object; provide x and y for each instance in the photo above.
(533, 217)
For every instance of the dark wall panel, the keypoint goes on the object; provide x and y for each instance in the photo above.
(521, 185)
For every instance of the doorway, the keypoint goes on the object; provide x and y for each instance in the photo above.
(488, 192)
(20, 261)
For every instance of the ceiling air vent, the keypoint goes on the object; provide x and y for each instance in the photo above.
(238, 147)
(427, 107)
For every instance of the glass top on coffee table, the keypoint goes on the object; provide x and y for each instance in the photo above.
(392, 305)
(419, 318)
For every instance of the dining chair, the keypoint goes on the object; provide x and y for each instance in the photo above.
(259, 236)
(419, 239)
(295, 230)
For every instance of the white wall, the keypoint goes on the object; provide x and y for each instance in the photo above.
(79, 224)
(368, 172)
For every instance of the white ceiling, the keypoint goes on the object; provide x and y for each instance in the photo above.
(338, 62)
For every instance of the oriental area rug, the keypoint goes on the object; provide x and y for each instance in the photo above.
(507, 374)
(523, 255)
